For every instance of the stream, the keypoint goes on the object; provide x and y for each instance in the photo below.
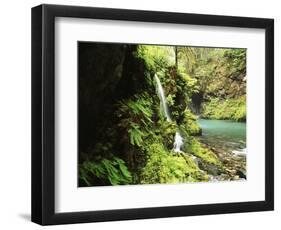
(228, 140)
(229, 136)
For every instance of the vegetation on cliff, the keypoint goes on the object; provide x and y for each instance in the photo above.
(125, 136)
(222, 79)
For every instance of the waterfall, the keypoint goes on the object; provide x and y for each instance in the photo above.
(178, 140)
(162, 97)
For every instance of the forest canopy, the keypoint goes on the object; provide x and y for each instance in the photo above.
(139, 107)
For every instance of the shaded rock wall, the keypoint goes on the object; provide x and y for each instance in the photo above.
(107, 73)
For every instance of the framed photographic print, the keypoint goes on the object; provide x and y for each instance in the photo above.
(141, 114)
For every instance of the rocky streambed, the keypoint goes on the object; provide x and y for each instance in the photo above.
(227, 140)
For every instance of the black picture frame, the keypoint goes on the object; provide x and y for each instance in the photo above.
(43, 110)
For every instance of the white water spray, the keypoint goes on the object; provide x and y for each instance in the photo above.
(162, 97)
(178, 140)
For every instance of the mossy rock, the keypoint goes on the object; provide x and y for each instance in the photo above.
(164, 166)
(194, 147)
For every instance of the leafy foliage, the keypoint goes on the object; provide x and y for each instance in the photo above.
(187, 56)
(108, 171)
(136, 135)
(167, 131)
(228, 109)
(135, 117)
(189, 123)
(222, 73)
(156, 58)
(140, 135)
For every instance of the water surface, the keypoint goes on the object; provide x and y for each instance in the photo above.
(222, 134)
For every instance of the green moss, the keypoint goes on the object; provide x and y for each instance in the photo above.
(132, 126)
(194, 147)
(189, 123)
(166, 130)
(166, 167)
(228, 109)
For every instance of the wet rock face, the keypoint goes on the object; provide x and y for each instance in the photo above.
(107, 73)
(100, 67)
(197, 99)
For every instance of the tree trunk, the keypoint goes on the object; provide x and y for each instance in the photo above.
(176, 57)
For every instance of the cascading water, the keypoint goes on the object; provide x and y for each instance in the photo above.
(162, 97)
(178, 140)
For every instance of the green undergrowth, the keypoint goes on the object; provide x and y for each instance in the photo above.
(194, 147)
(164, 166)
(112, 171)
(135, 141)
(189, 123)
(228, 109)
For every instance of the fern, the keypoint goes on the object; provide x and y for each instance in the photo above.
(135, 114)
(138, 108)
(136, 135)
(109, 171)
